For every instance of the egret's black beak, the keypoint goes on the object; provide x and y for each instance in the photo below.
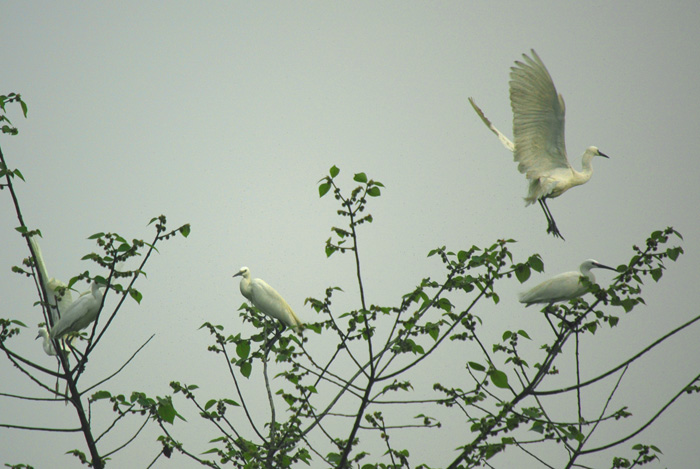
(602, 266)
(603, 154)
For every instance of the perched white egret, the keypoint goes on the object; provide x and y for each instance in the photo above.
(80, 314)
(48, 346)
(46, 343)
(266, 299)
(59, 296)
(562, 287)
(538, 131)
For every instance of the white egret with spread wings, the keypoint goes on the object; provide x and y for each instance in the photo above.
(538, 133)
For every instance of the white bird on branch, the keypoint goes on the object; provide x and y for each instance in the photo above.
(538, 131)
(562, 287)
(267, 300)
(80, 314)
(46, 343)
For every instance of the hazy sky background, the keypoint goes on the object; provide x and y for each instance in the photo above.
(226, 114)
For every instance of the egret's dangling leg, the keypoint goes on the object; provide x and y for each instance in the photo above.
(551, 224)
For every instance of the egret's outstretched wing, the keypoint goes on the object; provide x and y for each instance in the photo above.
(504, 140)
(538, 119)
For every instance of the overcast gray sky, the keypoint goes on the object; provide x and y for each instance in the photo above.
(226, 114)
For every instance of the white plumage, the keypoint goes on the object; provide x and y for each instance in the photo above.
(266, 299)
(538, 131)
(46, 343)
(562, 287)
(58, 304)
(80, 314)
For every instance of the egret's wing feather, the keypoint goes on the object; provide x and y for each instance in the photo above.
(561, 287)
(44, 274)
(538, 119)
(78, 316)
(51, 285)
(267, 300)
(65, 300)
(71, 317)
(40, 265)
(504, 140)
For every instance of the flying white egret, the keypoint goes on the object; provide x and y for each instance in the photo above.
(80, 314)
(266, 299)
(538, 131)
(59, 296)
(562, 287)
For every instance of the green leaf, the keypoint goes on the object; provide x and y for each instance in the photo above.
(656, 274)
(334, 171)
(243, 349)
(673, 253)
(415, 348)
(185, 230)
(444, 304)
(535, 262)
(524, 334)
(96, 235)
(21, 229)
(166, 411)
(324, 188)
(136, 295)
(627, 304)
(24, 107)
(100, 395)
(18, 322)
(374, 192)
(476, 366)
(433, 330)
(522, 272)
(499, 379)
(209, 403)
(19, 174)
(360, 177)
(507, 335)
(246, 369)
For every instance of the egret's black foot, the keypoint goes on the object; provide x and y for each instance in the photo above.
(552, 229)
